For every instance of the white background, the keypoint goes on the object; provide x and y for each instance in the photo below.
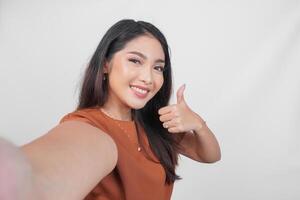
(240, 61)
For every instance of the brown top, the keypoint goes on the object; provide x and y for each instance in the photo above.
(135, 176)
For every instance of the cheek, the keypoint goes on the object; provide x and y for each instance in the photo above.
(159, 82)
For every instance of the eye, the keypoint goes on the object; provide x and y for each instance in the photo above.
(159, 68)
(134, 60)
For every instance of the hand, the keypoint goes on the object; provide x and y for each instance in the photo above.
(179, 117)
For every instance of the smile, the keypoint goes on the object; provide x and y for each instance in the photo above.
(139, 90)
(140, 93)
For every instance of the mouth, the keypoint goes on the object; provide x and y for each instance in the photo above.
(139, 91)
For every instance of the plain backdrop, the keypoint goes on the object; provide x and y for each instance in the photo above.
(240, 61)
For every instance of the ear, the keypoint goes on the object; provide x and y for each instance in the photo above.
(105, 67)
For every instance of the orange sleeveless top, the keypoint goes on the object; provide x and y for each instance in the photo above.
(135, 177)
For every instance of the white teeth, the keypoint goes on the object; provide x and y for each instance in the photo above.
(139, 90)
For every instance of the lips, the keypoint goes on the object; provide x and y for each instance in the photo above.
(140, 87)
(140, 91)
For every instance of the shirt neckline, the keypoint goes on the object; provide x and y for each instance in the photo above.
(131, 122)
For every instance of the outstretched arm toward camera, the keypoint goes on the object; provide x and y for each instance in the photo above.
(15, 173)
(68, 161)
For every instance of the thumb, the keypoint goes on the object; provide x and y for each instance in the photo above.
(180, 97)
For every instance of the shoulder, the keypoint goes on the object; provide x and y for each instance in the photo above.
(91, 116)
(84, 115)
(84, 123)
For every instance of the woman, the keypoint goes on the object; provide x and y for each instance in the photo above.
(123, 140)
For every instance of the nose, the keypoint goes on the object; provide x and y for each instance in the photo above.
(146, 75)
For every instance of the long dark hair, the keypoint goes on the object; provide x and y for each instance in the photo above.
(94, 90)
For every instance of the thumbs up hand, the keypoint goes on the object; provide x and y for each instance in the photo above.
(179, 117)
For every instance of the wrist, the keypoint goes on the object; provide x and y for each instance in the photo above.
(201, 125)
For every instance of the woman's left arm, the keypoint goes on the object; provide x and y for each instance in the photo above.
(198, 142)
(200, 145)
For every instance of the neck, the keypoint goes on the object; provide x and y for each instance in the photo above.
(118, 112)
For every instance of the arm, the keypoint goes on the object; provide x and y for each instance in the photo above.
(15, 173)
(69, 161)
(195, 139)
(200, 144)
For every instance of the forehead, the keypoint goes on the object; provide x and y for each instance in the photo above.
(147, 45)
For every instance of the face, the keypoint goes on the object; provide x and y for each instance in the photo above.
(135, 73)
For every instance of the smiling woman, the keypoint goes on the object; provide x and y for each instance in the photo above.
(135, 73)
(123, 139)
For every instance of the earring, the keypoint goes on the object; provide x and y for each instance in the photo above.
(104, 76)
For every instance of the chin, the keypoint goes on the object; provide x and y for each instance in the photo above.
(137, 106)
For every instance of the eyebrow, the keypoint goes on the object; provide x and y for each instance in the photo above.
(145, 57)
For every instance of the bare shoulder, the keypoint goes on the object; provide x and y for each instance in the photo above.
(81, 132)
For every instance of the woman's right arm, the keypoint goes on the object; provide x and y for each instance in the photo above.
(69, 161)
